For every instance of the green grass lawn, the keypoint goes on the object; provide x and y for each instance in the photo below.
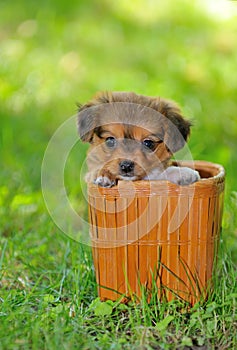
(54, 54)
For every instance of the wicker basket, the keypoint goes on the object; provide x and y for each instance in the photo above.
(148, 234)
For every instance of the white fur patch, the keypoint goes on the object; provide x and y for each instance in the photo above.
(104, 181)
(177, 175)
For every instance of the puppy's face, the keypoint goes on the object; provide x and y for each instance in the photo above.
(126, 152)
(129, 136)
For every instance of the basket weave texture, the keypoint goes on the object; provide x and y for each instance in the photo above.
(155, 233)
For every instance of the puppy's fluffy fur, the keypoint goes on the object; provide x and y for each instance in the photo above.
(133, 137)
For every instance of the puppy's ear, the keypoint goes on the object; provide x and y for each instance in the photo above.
(177, 129)
(86, 123)
(87, 119)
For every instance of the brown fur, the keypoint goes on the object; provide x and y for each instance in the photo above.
(130, 119)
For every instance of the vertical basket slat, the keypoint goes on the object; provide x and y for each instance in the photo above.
(122, 257)
(173, 247)
(162, 241)
(203, 241)
(132, 249)
(111, 254)
(143, 270)
(152, 249)
(192, 261)
(184, 248)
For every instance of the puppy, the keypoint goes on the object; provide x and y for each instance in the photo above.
(133, 137)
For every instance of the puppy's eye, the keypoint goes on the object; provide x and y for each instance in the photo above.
(149, 144)
(110, 142)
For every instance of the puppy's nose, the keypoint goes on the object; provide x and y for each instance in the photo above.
(126, 166)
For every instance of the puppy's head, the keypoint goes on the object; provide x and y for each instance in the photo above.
(130, 134)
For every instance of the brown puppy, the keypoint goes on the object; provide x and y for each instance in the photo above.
(133, 137)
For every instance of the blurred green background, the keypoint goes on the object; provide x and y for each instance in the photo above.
(54, 54)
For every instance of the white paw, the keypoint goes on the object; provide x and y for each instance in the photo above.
(188, 176)
(182, 175)
(104, 181)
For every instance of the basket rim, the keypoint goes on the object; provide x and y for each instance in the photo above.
(158, 186)
(199, 165)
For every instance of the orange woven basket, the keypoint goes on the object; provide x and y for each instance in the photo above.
(155, 233)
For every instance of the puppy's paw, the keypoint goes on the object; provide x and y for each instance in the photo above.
(188, 176)
(182, 175)
(104, 181)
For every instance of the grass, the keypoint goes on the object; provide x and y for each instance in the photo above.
(52, 56)
(53, 304)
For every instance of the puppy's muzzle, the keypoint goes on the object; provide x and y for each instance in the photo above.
(126, 167)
